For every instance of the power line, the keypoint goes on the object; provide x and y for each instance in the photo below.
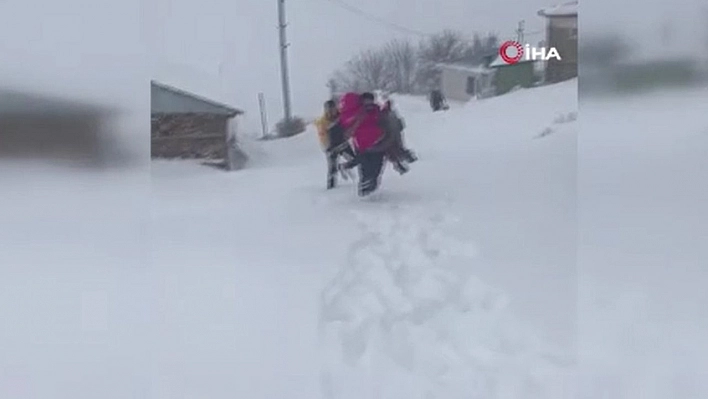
(515, 35)
(395, 26)
(382, 21)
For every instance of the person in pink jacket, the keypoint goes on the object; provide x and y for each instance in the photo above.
(363, 123)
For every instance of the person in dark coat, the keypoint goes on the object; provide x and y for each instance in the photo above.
(395, 126)
(392, 142)
(437, 101)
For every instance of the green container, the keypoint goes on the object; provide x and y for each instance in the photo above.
(508, 77)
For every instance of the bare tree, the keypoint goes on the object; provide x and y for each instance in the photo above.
(447, 47)
(366, 72)
(481, 48)
(370, 68)
(344, 81)
(333, 87)
(401, 66)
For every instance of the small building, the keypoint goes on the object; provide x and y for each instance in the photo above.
(562, 33)
(510, 76)
(463, 83)
(185, 125)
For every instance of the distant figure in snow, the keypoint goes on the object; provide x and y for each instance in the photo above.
(333, 142)
(437, 101)
(361, 121)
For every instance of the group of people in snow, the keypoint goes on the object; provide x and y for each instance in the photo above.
(365, 134)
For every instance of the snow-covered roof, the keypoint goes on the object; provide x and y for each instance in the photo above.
(477, 70)
(569, 9)
(169, 99)
(498, 62)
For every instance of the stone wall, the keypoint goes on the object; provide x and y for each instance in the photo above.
(188, 136)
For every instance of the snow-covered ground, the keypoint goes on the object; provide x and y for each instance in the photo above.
(643, 246)
(458, 280)
(75, 283)
(515, 254)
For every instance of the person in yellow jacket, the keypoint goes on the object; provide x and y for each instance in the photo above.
(333, 142)
(330, 116)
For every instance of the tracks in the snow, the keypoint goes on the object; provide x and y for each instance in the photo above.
(406, 303)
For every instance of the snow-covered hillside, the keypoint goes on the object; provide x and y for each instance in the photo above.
(458, 280)
(515, 254)
(642, 251)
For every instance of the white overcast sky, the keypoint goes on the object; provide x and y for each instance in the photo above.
(241, 37)
(228, 49)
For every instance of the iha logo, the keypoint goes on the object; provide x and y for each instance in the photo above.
(527, 53)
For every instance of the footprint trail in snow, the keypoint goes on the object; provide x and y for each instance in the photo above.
(406, 318)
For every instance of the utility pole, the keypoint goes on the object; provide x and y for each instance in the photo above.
(264, 118)
(284, 60)
(520, 32)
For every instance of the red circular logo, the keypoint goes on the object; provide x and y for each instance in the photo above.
(519, 52)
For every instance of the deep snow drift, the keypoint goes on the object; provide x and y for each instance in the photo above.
(457, 280)
(515, 254)
(643, 247)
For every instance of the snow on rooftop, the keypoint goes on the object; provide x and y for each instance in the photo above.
(192, 79)
(478, 70)
(560, 10)
(498, 62)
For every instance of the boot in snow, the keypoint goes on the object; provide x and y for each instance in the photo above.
(400, 167)
(346, 172)
(409, 156)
